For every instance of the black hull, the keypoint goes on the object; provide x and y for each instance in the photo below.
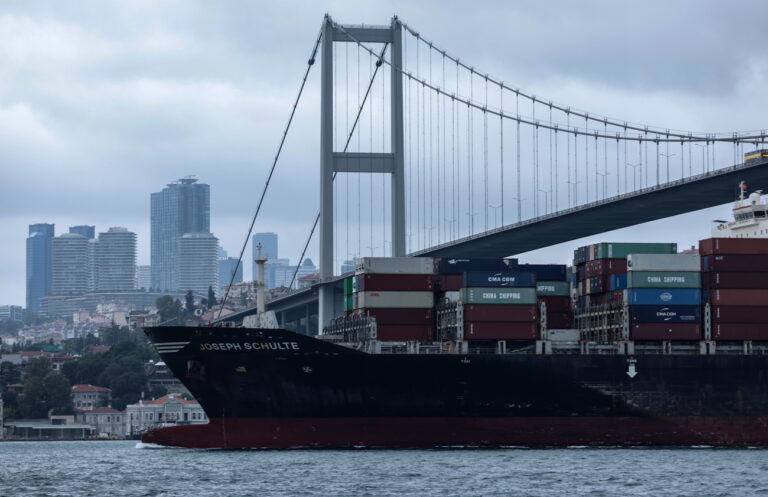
(259, 383)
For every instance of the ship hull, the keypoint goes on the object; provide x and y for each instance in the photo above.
(278, 389)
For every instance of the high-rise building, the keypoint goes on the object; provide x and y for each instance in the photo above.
(283, 274)
(347, 266)
(197, 267)
(38, 264)
(69, 265)
(87, 231)
(227, 267)
(143, 277)
(11, 313)
(268, 243)
(116, 261)
(181, 207)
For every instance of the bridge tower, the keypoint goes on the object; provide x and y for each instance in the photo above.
(332, 162)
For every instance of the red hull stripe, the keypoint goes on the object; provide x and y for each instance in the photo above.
(437, 432)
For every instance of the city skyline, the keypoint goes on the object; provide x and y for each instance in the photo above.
(175, 98)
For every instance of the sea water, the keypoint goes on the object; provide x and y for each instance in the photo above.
(117, 468)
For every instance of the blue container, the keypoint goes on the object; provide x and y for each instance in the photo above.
(545, 272)
(665, 314)
(662, 296)
(517, 279)
(448, 265)
(618, 282)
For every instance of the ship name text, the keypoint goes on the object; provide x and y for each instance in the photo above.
(227, 346)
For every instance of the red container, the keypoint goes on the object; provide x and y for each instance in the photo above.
(733, 246)
(734, 263)
(664, 331)
(602, 267)
(501, 331)
(402, 333)
(735, 279)
(739, 314)
(501, 313)
(738, 297)
(449, 282)
(582, 271)
(395, 282)
(557, 303)
(739, 331)
(386, 316)
(559, 320)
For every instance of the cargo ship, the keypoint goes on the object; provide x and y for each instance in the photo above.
(634, 344)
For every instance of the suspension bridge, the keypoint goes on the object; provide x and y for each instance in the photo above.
(421, 153)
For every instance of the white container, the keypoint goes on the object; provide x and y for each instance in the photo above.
(564, 335)
(663, 262)
(395, 265)
(395, 300)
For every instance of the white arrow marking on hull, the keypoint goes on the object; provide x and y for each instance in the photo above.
(631, 372)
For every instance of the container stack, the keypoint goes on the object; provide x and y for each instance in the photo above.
(349, 295)
(664, 296)
(735, 282)
(398, 293)
(553, 290)
(500, 305)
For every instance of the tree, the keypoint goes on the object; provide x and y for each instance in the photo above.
(10, 373)
(170, 310)
(211, 298)
(189, 302)
(37, 368)
(51, 393)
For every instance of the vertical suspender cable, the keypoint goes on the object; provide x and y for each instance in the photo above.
(501, 151)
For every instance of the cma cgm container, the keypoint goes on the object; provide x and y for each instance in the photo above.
(662, 296)
(622, 250)
(663, 262)
(495, 296)
(395, 265)
(499, 279)
(658, 279)
(712, 246)
(665, 314)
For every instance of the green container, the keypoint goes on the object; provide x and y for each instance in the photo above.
(659, 279)
(349, 303)
(552, 288)
(622, 250)
(349, 286)
(498, 295)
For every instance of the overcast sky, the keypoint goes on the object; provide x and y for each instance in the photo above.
(103, 103)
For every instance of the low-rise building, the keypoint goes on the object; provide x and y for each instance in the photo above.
(86, 397)
(168, 410)
(106, 421)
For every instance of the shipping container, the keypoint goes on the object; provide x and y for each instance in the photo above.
(515, 279)
(501, 331)
(349, 302)
(553, 288)
(394, 282)
(545, 272)
(658, 279)
(665, 314)
(663, 262)
(734, 263)
(661, 296)
(395, 265)
(738, 297)
(603, 267)
(665, 331)
(394, 300)
(559, 320)
(622, 250)
(556, 304)
(449, 282)
(735, 279)
(403, 333)
(739, 331)
(618, 282)
(349, 286)
(501, 313)
(448, 265)
(744, 246)
(491, 295)
(389, 316)
(598, 284)
(568, 335)
(739, 314)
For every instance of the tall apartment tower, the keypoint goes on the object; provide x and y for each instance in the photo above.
(69, 264)
(38, 264)
(197, 262)
(87, 231)
(268, 242)
(181, 207)
(116, 261)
